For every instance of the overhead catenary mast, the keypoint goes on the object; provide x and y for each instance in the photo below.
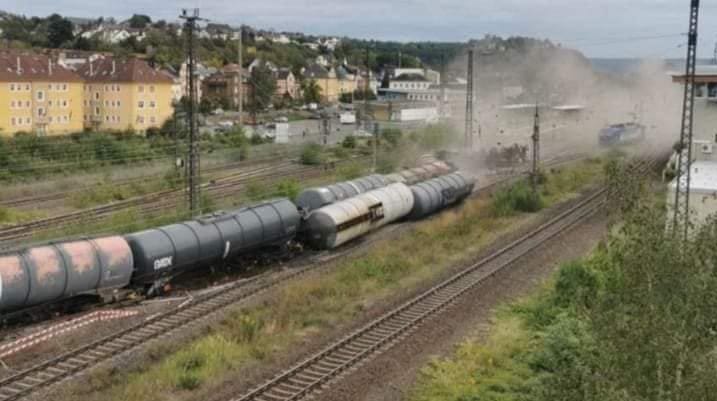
(536, 148)
(681, 218)
(468, 142)
(193, 174)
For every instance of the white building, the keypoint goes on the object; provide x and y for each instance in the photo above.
(703, 191)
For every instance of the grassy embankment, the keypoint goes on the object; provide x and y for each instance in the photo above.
(633, 321)
(316, 304)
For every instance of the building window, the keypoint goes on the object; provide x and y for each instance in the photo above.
(97, 111)
(107, 88)
(712, 89)
(152, 120)
(97, 96)
(140, 89)
(27, 120)
(119, 104)
(140, 120)
(49, 103)
(50, 119)
(140, 104)
(151, 89)
(152, 104)
(40, 112)
(107, 118)
(12, 121)
(12, 104)
(27, 87)
(40, 96)
(64, 103)
(12, 87)
(27, 104)
(66, 119)
(107, 103)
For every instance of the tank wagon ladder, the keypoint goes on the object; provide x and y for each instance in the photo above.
(339, 358)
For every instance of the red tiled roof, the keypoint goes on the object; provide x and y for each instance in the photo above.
(20, 66)
(109, 69)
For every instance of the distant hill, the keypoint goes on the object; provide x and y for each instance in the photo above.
(624, 66)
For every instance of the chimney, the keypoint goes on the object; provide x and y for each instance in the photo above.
(49, 66)
(113, 67)
(19, 67)
(91, 69)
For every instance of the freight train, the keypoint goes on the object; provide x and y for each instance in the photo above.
(111, 267)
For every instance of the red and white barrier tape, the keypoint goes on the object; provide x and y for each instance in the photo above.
(60, 329)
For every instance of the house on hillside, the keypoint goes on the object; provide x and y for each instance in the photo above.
(286, 85)
(122, 94)
(226, 84)
(40, 95)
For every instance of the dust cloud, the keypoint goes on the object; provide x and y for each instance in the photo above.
(575, 101)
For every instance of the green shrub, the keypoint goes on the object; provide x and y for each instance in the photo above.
(392, 135)
(517, 198)
(576, 285)
(349, 142)
(288, 188)
(312, 154)
(188, 381)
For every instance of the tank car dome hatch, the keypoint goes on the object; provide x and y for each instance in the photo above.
(48, 273)
(435, 194)
(336, 224)
(195, 244)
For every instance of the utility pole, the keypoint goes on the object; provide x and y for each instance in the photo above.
(193, 174)
(681, 218)
(325, 127)
(536, 149)
(241, 76)
(442, 84)
(468, 143)
(366, 109)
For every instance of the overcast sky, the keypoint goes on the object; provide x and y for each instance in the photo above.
(599, 28)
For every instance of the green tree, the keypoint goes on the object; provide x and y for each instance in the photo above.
(263, 89)
(311, 91)
(59, 30)
(139, 21)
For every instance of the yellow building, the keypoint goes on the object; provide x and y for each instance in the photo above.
(332, 86)
(121, 94)
(38, 96)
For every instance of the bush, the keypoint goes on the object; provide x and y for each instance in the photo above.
(288, 188)
(392, 135)
(517, 198)
(349, 142)
(311, 154)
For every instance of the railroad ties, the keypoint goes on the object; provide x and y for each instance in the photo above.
(331, 363)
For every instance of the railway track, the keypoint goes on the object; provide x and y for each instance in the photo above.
(331, 363)
(319, 369)
(152, 204)
(33, 201)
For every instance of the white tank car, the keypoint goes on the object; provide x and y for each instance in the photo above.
(338, 223)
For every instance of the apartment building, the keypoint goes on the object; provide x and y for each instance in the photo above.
(38, 96)
(122, 94)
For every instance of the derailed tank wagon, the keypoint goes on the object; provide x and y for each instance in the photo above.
(165, 252)
(54, 272)
(341, 222)
(113, 267)
(438, 193)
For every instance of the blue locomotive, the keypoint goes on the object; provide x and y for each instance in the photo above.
(621, 134)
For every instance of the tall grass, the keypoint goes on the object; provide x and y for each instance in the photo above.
(313, 305)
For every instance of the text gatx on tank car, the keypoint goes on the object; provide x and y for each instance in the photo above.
(165, 252)
(621, 134)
